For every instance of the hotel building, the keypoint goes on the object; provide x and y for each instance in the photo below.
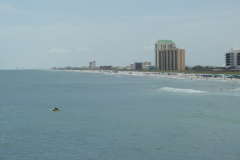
(168, 57)
(233, 58)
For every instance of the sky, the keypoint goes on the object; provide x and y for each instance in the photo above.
(41, 34)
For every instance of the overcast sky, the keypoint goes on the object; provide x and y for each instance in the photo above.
(38, 34)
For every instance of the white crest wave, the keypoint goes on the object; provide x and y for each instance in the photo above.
(236, 89)
(179, 90)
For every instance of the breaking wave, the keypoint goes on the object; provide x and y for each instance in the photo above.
(178, 90)
(235, 89)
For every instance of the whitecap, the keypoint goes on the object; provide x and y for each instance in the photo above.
(179, 90)
(236, 89)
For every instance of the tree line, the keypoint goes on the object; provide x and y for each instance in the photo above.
(199, 68)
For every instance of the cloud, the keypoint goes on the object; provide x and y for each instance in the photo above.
(8, 9)
(127, 17)
(196, 16)
(57, 50)
(12, 10)
(148, 47)
(236, 44)
(84, 49)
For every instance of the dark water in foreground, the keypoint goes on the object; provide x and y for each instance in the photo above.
(106, 117)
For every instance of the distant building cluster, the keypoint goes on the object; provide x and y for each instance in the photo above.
(134, 66)
(167, 58)
(170, 58)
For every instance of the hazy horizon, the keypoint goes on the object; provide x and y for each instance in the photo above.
(43, 34)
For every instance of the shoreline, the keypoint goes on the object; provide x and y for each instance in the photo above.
(170, 75)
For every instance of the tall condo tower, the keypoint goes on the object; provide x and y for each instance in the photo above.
(168, 57)
(92, 65)
(233, 58)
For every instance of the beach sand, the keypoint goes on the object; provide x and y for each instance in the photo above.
(192, 76)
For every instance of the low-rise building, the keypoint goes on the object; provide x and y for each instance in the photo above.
(149, 67)
(106, 67)
(127, 68)
(132, 66)
(139, 65)
(144, 64)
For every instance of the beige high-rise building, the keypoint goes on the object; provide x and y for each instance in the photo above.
(168, 57)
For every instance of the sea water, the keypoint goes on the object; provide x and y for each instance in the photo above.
(110, 116)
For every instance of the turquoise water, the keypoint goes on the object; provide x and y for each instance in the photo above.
(116, 117)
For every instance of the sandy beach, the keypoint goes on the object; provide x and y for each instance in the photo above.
(172, 75)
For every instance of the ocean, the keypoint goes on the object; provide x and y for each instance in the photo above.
(116, 117)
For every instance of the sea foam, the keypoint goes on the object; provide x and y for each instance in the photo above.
(236, 89)
(179, 90)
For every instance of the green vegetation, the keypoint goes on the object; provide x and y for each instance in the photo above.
(189, 70)
(192, 71)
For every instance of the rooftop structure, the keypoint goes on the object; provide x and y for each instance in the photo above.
(166, 41)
